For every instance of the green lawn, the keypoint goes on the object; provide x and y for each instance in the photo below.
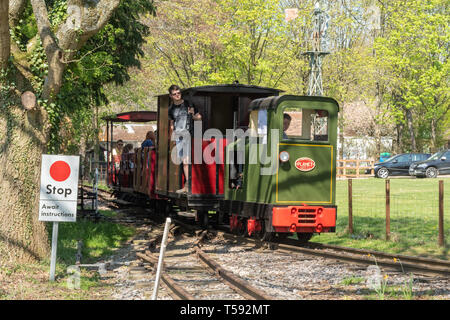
(99, 239)
(414, 216)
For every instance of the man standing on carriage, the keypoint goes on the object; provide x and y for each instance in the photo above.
(182, 113)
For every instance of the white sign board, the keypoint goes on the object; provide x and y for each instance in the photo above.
(59, 188)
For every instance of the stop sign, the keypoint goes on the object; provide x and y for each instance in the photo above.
(59, 188)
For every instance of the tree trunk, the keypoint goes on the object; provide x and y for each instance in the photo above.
(22, 141)
(433, 136)
(399, 138)
(5, 45)
(409, 121)
(16, 8)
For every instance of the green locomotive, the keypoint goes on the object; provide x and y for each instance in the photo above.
(291, 188)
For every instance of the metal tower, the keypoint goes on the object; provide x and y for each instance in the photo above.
(318, 52)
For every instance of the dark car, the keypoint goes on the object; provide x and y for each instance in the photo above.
(398, 165)
(438, 163)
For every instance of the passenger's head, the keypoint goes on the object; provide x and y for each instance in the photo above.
(175, 92)
(128, 148)
(286, 121)
(150, 136)
(119, 144)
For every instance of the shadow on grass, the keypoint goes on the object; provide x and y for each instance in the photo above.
(99, 240)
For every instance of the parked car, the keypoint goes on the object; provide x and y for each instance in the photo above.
(398, 165)
(438, 163)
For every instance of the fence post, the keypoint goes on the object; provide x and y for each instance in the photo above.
(388, 209)
(441, 213)
(345, 168)
(350, 206)
(357, 168)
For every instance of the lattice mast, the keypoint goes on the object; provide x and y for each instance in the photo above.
(318, 52)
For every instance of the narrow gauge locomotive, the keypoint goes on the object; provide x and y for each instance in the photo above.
(266, 168)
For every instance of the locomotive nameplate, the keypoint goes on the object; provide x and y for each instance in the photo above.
(305, 164)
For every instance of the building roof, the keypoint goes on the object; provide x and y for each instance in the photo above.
(128, 132)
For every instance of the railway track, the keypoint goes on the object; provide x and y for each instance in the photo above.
(191, 274)
(191, 279)
(403, 263)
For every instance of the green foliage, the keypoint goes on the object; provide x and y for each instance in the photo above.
(413, 53)
(210, 42)
(105, 58)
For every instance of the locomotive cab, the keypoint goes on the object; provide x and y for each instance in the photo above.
(288, 181)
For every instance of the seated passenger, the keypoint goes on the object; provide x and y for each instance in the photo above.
(128, 148)
(150, 139)
(117, 154)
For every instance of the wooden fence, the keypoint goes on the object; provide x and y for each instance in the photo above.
(441, 237)
(354, 168)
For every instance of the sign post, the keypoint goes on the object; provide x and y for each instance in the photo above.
(58, 196)
(54, 248)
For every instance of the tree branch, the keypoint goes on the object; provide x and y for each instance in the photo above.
(16, 8)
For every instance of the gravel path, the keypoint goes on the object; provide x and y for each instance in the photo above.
(298, 276)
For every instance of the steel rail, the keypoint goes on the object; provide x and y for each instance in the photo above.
(168, 281)
(240, 285)
(400, 257)
(402, 263)
(370, 258)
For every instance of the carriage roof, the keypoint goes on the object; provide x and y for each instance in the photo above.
(133, 116)
(227, 89)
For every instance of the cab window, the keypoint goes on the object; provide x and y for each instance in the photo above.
(258, 124)
(305, 124)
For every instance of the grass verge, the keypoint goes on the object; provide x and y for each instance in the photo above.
(31, 281)
(414, 217)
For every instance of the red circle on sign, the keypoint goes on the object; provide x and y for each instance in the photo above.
(60, 171)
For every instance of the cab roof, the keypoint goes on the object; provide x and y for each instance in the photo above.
(273, 102)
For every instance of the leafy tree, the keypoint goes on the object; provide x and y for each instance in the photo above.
(210, 42)
(63, 51)
(414, 54)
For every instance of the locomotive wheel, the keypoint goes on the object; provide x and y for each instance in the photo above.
(264, 235)
(242, 231)
(304, 237)
(203, 218)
